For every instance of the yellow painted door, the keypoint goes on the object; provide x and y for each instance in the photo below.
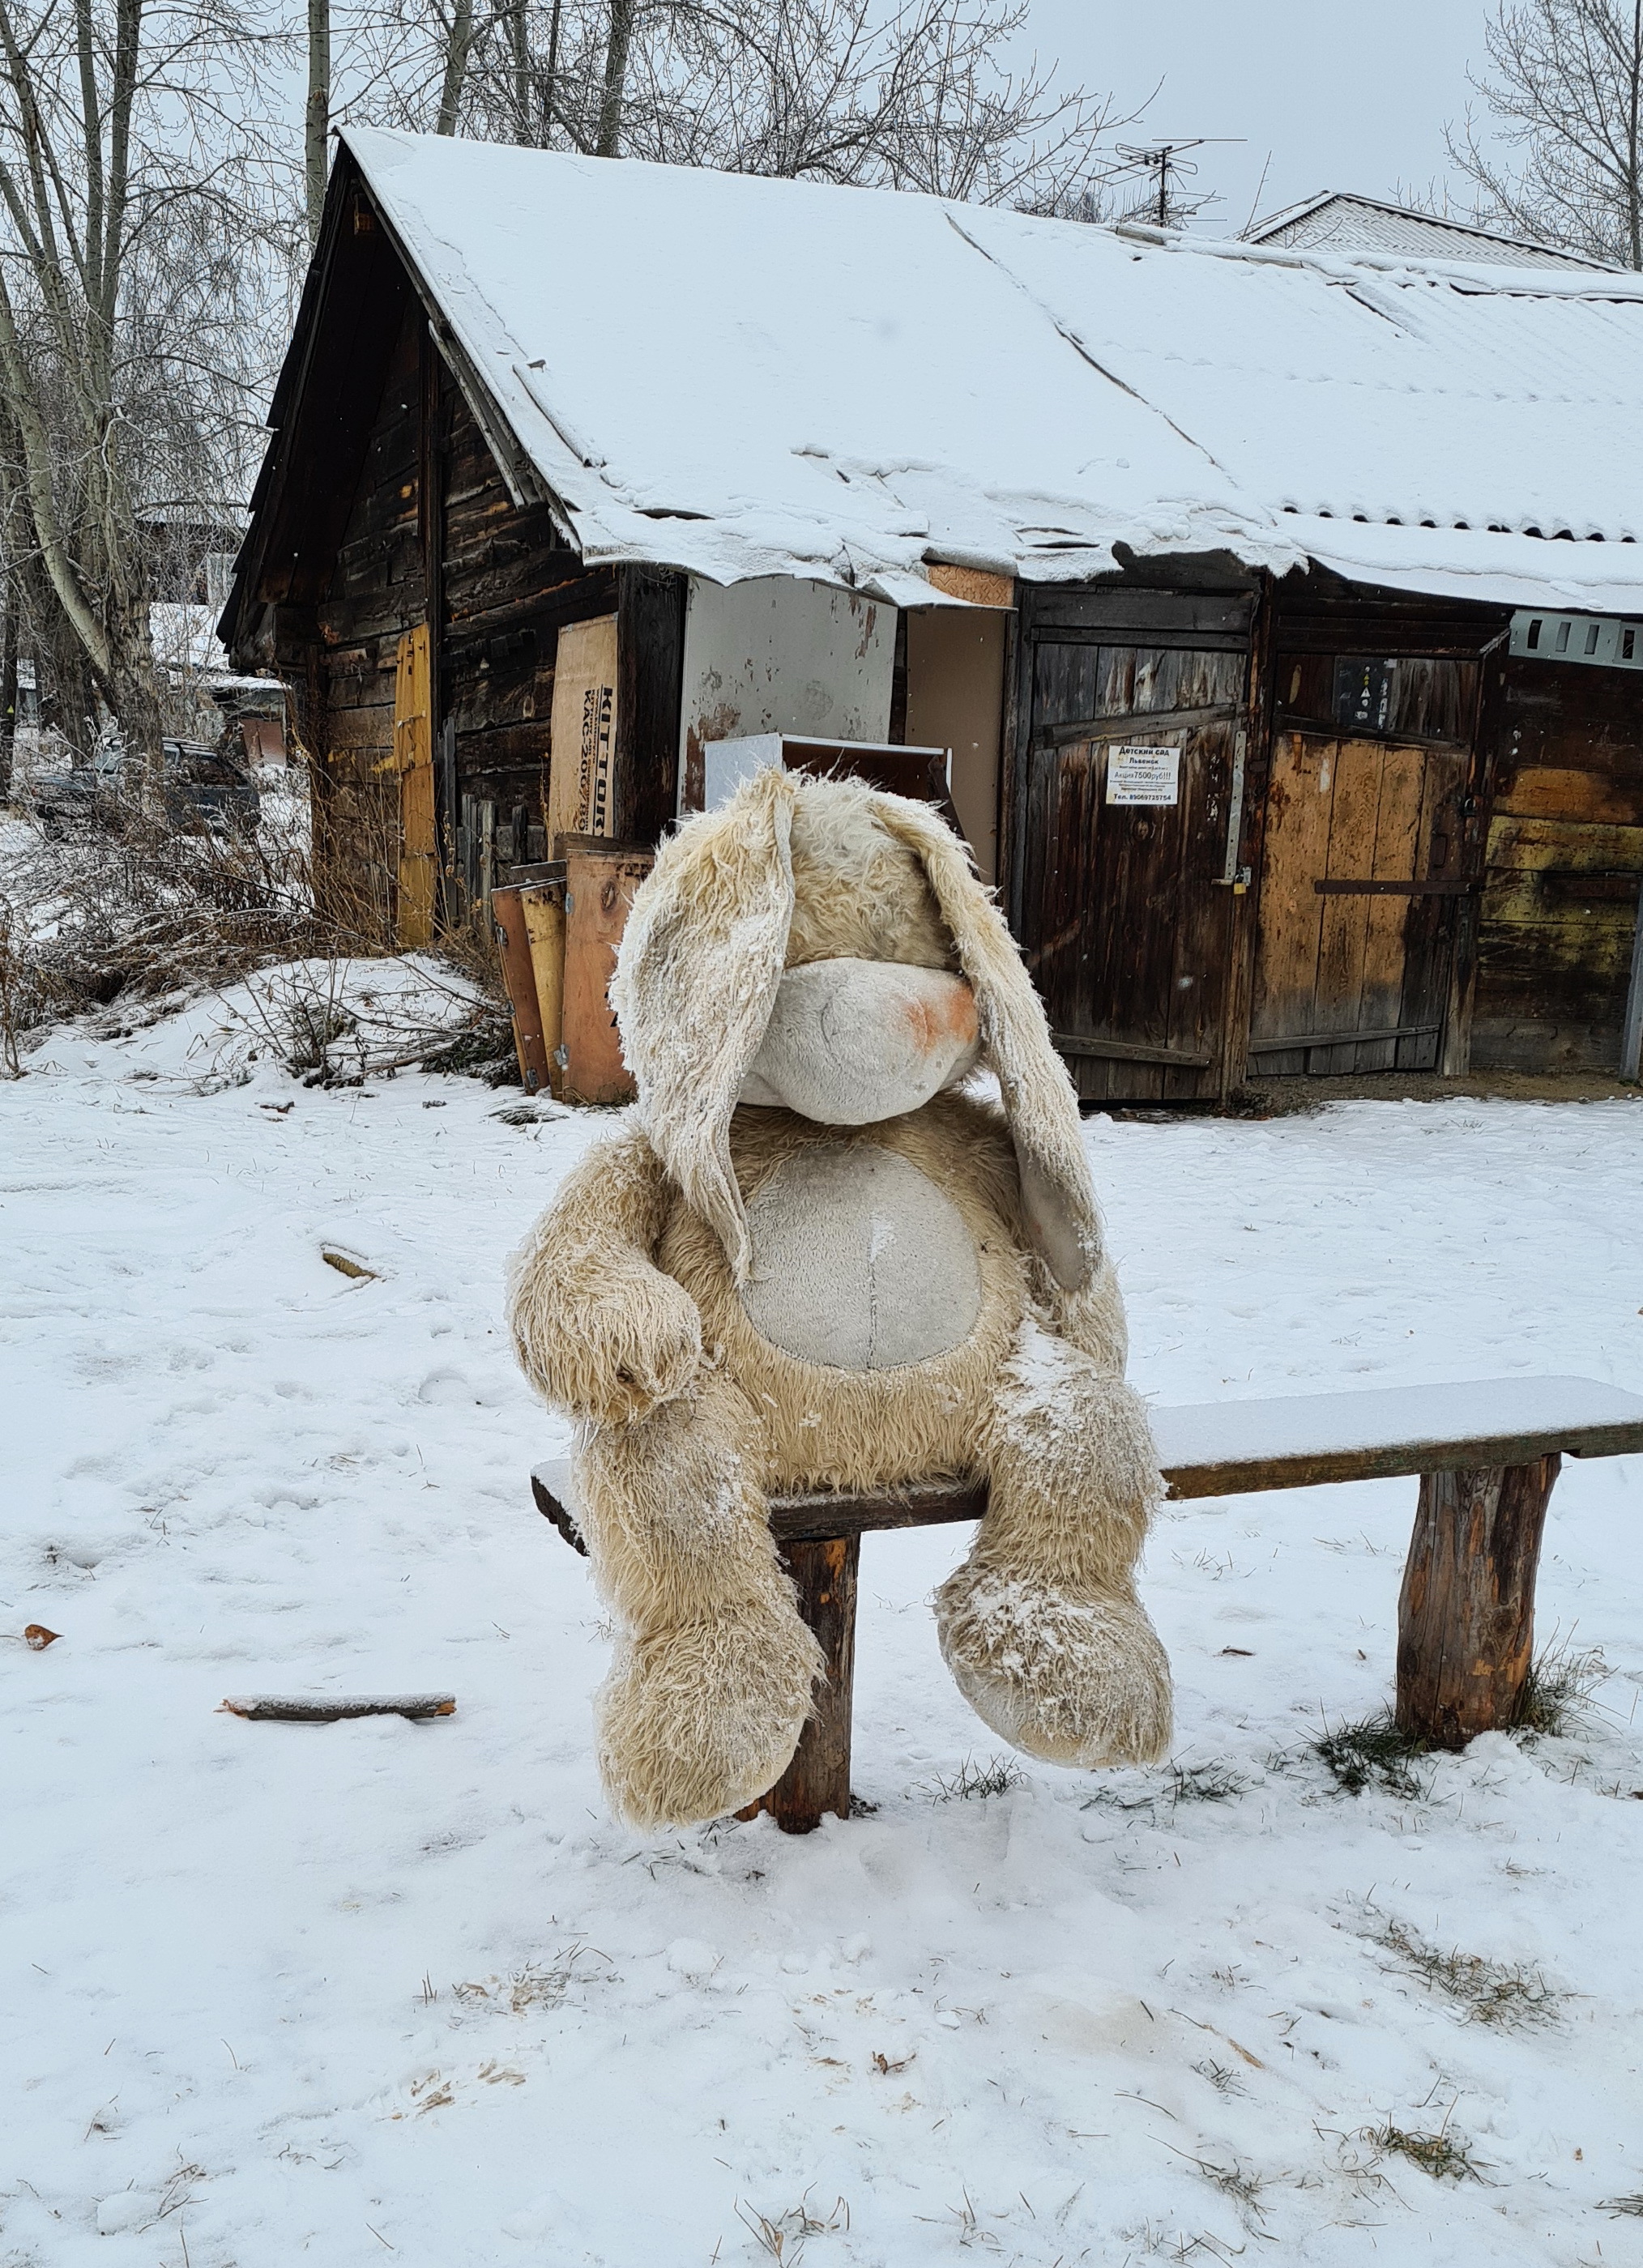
(413, 755)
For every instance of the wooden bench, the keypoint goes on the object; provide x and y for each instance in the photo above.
(1487, 1453)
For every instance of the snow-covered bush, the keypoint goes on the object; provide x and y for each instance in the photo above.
(122, 910)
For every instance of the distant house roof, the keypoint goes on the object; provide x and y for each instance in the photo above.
(740, 376)
(1339, 221)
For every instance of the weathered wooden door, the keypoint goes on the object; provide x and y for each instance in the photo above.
(1126, 909)
(1359, 896)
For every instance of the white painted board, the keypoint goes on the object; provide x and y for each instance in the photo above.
(726, 764)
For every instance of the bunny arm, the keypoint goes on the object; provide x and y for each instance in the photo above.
(1091, 1319)
(601, 1331)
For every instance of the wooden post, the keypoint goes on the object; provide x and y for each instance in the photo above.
(542, 905)
(600, 878)
(818, 1778)
(1466, 1614)
(518, 974)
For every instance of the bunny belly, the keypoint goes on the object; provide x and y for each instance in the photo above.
(824, 1424)
(859, 1261)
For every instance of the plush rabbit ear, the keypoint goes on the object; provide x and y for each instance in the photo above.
(696, 981)
(1057, 1194)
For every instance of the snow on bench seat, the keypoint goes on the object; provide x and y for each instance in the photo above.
(1294, 1440)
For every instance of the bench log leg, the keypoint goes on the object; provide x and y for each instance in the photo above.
(1466, 1615)
(818, 1778)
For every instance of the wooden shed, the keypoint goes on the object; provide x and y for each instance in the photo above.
(1282, 611)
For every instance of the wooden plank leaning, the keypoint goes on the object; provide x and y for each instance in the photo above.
(1487, 1453)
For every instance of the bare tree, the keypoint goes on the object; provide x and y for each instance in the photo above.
(1564, 87)
(317, 116)
(612, 93)
(131, 284)
(909, 94)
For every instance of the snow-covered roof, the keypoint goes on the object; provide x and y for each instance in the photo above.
(742, 377)
(1341, 221)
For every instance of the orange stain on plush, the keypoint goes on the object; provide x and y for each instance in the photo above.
(933, 1023)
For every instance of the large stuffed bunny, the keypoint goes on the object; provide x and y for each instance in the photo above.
(815, 1257)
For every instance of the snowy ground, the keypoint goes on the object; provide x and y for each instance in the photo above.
(280, 1992)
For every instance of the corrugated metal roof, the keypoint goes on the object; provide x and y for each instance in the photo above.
(1340, 220)
(741, 377)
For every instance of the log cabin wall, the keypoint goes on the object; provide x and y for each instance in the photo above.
(507, 584)
(503, 585)
(1564, 867)
(376, 591)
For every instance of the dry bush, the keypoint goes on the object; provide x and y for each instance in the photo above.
(337, 1022)
(127, 907)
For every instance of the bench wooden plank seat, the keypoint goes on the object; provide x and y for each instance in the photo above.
(1300, 1440)
(1487, 1451)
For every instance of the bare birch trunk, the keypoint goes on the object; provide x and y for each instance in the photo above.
(456, 54)
(621, 39)
(317, 124)
(8, 691)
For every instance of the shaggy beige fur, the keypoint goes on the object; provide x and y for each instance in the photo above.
(628, 1311)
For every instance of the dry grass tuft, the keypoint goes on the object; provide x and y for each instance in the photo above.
(1204, 1784)
(1446, 2155)
(1372, 1753)
(1508, 1995)
(973, 1783)
(785, 2237)
(1557, 1693)
(1181, 1783)
(539, 1984)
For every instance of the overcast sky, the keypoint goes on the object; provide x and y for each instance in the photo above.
(1340, 94)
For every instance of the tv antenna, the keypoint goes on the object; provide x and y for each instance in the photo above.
(1164, 165)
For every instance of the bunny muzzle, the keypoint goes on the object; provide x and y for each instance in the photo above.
(851, 1043)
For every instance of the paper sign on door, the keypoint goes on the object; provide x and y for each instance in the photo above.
(1144, 775)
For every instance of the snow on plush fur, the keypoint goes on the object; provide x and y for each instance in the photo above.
(633, 1301)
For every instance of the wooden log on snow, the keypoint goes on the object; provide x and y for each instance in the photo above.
(319, 1709)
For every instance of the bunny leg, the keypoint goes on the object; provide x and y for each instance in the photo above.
(1041, 1626)
(712, 1682)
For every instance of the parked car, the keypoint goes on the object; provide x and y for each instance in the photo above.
(204, 791)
